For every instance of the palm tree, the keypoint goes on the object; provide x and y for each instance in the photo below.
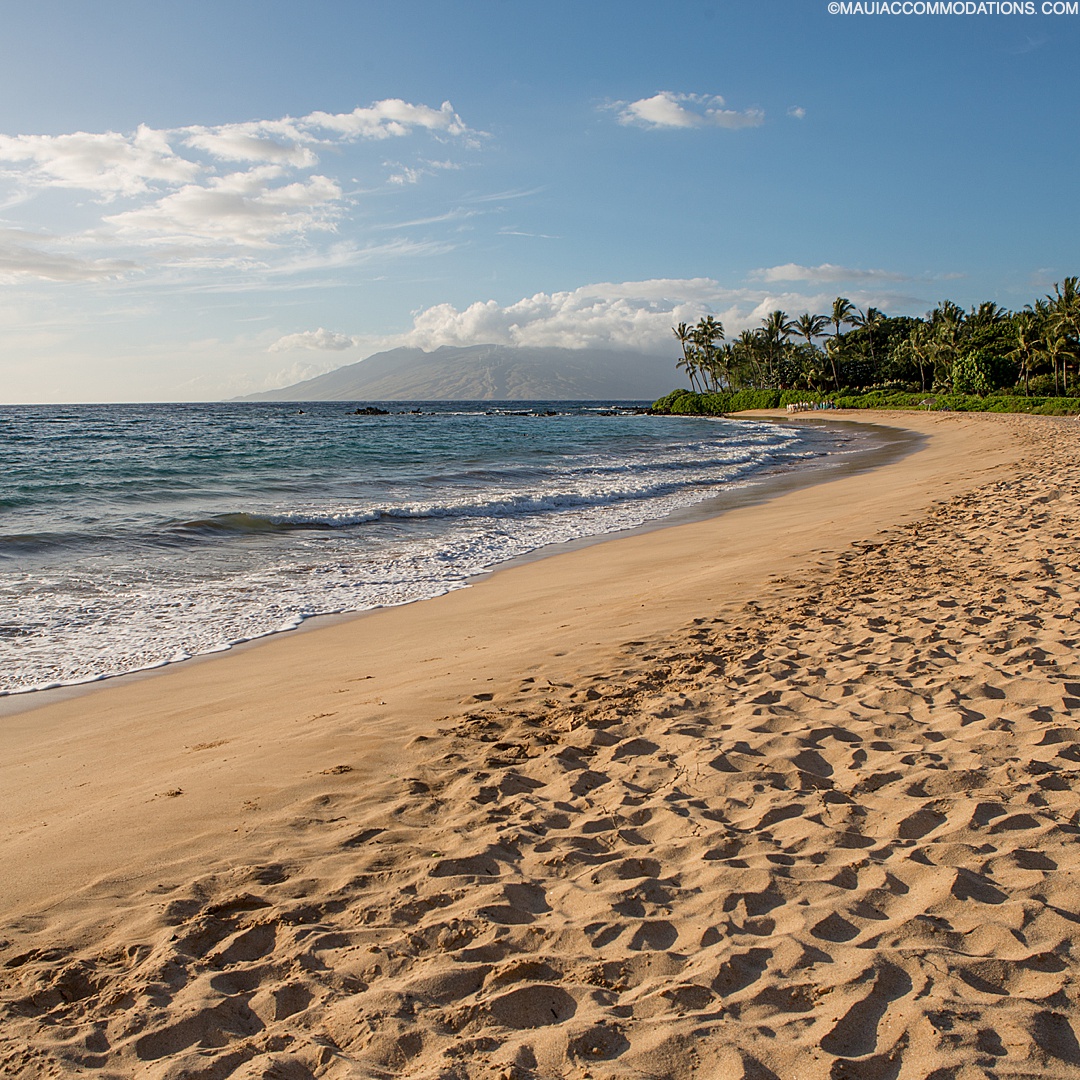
(711, 327)
(948, 315)
(921, 343)
(947, 324)
(986, 314)
(1026, 325)
(810, 326)
(727, 357)
(1065, 319)
(705, 337)
(811, 372)
(688, 363)
(1054, 346)
(842, 311)
(748, 345)
(1065, 303)
(774, 331)
(869, 321)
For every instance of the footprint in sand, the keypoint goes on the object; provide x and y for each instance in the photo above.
(1054, 1035)
(533, 1006)
(855, 1034)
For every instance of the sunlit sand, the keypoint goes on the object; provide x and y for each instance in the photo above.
(788, 792)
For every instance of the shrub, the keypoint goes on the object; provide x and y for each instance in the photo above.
(689, 403)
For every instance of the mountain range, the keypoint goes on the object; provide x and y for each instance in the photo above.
(489, 373)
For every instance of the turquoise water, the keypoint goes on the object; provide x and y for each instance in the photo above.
(136, 535)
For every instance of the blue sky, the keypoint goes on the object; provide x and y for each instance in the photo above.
(203, 200)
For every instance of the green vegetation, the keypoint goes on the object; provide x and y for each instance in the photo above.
(695, 403)
(985, 360)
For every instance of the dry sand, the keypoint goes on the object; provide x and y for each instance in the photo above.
(792, 792)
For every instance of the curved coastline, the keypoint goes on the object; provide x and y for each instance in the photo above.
(847, 710)
(892, 443)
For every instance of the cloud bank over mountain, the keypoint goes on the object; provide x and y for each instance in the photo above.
(629, 316)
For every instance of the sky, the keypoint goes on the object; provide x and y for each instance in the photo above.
(208, 199)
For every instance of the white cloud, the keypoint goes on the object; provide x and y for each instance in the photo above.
(199, 193)
(262, 273)
(661, 110)
(457, 214)
(290, 142)
(392, 117)
(405, 174)
(111, 163)
(797, 112)
(507, 230)
(824, 274)
(280, 142)
(21, 263)
(313, 339)
(633, 315)
(506, 196)
(246, 209)
(108, 163)
(669, 110)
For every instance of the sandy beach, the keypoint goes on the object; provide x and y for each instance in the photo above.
(789, 792)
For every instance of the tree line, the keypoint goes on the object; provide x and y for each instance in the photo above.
(1035, 351)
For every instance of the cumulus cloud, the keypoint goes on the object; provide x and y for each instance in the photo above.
(181, 192)
(392, 117)
(824, 274)
(670, 110)
(405, 174)
(245, 208)
(797, 112)
(108, 163)
(113, 163)
(630, 315)
(280, 142)
(313, 339)
(633, 315)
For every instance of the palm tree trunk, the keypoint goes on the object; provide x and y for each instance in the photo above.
(832, 359)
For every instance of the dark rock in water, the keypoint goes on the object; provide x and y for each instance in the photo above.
(370, 410)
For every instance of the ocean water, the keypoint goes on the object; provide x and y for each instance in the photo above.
(136, 535)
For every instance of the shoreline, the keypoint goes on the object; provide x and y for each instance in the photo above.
(803, 768)
(892, 445)
(390, 652)
(895, 443)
